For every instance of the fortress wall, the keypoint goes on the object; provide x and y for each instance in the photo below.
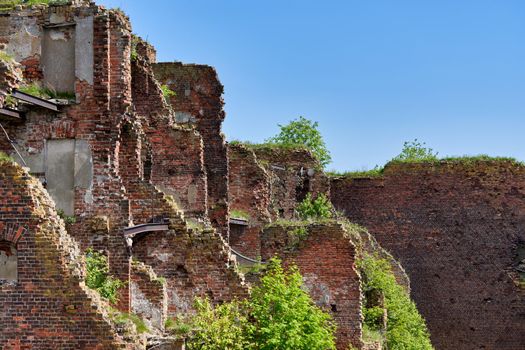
(457, 230)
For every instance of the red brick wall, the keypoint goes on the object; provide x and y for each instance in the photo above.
(268, 183)
(195, 264)
(326, 259)
(49, 289)
(455, 228)
(94, 118)
(249, 185)
(149, 299)
(198, 101)
(177, 152)
(294, 173)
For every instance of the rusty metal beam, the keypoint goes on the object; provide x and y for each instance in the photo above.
(35, 100)
(13, 113)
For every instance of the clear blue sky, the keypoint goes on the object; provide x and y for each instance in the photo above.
(372, 73)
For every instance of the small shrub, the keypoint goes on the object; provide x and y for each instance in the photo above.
(167, 92)
(123, 318)
(373, 316)
(284, 315)
(69, 220)
(415, 151)
(279, 315)
(98, 278)
(221, 327)
(314, 209)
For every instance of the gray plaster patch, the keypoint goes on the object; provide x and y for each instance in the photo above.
(184, 117)
(60, 164)
(83, 165)
(58, 58)
(141, 306)
(24, 43)
(56, 18)
(8, 264)
(84, 49)
(192, 194)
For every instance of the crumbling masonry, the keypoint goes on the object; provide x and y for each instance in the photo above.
(151, 182)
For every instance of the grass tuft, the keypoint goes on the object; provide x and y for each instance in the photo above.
(239, 214)
(37, 90)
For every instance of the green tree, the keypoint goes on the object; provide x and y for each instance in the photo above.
(284, 316)
(415, 151)
(279, 315)
(304, 132)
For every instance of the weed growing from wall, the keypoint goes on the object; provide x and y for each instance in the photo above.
(167, 92)
(315, 209)
(98, 278)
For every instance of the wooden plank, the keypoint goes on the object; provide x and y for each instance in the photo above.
(35, 100)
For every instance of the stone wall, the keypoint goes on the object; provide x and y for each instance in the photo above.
(326, 259)
(456, 228)
(49, 286)
(198, 101)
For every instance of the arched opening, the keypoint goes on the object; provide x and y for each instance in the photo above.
(8, 263)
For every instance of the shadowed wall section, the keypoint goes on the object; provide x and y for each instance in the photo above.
(456, 229)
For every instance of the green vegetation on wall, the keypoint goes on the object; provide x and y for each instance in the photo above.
(4, 56)
(10, 4)
(416, 152)
(406, 328)
(43, 92)
(167, 92)
(278, 315)
(315, 209)
(98, 278)
(5, 158)
(304, 132)
(239, 214)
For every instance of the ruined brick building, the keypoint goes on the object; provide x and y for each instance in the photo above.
(151, 182)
